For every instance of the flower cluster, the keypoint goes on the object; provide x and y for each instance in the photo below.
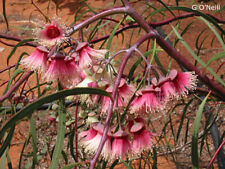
(156, 96)
(60, 65)
(76, 67)
(118, 144)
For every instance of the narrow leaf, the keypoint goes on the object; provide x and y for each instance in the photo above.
(28, 110)
(17, 45)
(197, 58)
(194, 145)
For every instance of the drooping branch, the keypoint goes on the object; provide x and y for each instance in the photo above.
(100, 15)
(114, 93)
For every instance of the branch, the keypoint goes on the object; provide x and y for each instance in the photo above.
(156, 24)
(114, 92)
(16, 38)
(18, 83)
(100, 15)
(189, 66)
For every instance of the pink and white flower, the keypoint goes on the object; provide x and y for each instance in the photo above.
(87, 135)
(51, 34)
(120, 145)
(125, 92)
(146, 100)
(37, 60)
(91, 144)
(63, 70)
(87, 55)
(167, 88)
(183, 81)
(142, 138)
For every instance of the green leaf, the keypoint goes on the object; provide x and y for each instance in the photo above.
(194, 144)
(43, 152)
(15, 73)
(182, 119)
(22, 151)
(90, 8)
(210, 19)
(20, 57)
(71, 166)
(17, 45)
(7, 140)
(4, 14)
(215, 57)
(114, 164)
(197, 58)
(166, 7)
(109, 42)
(214, 31)
(34, 141)
(76, 17)
(60, 135)
(28, 110)
(133, 68)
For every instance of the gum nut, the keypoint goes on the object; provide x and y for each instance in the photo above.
(120, 133)
(48, 87)
(137, 127)
(82, 114)
(101, 84)
(91, 114)
(68, 123)
(154, 81)
(92, 119)
(55, 106)
(172, 74)
(70, 98)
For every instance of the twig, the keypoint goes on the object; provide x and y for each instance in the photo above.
(114, 93)
(215, 155)
(18, 39)
(9, 67)
(18, 83)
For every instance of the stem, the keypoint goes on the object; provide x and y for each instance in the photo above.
(114, 93)
(18, 83)
(18, 39)
(96, 17)
(9, 67)
(186, 64)
(216, 153)
(76, 134)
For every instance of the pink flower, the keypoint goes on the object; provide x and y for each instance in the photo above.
(120, 144)
(91, 144)
(87, 55)
(142, 138)
(167, 88)
(63, 70)
(87, 135)
(37, 60)
(51, 34)
(147, 100)
(125, 92)
(183, 81)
